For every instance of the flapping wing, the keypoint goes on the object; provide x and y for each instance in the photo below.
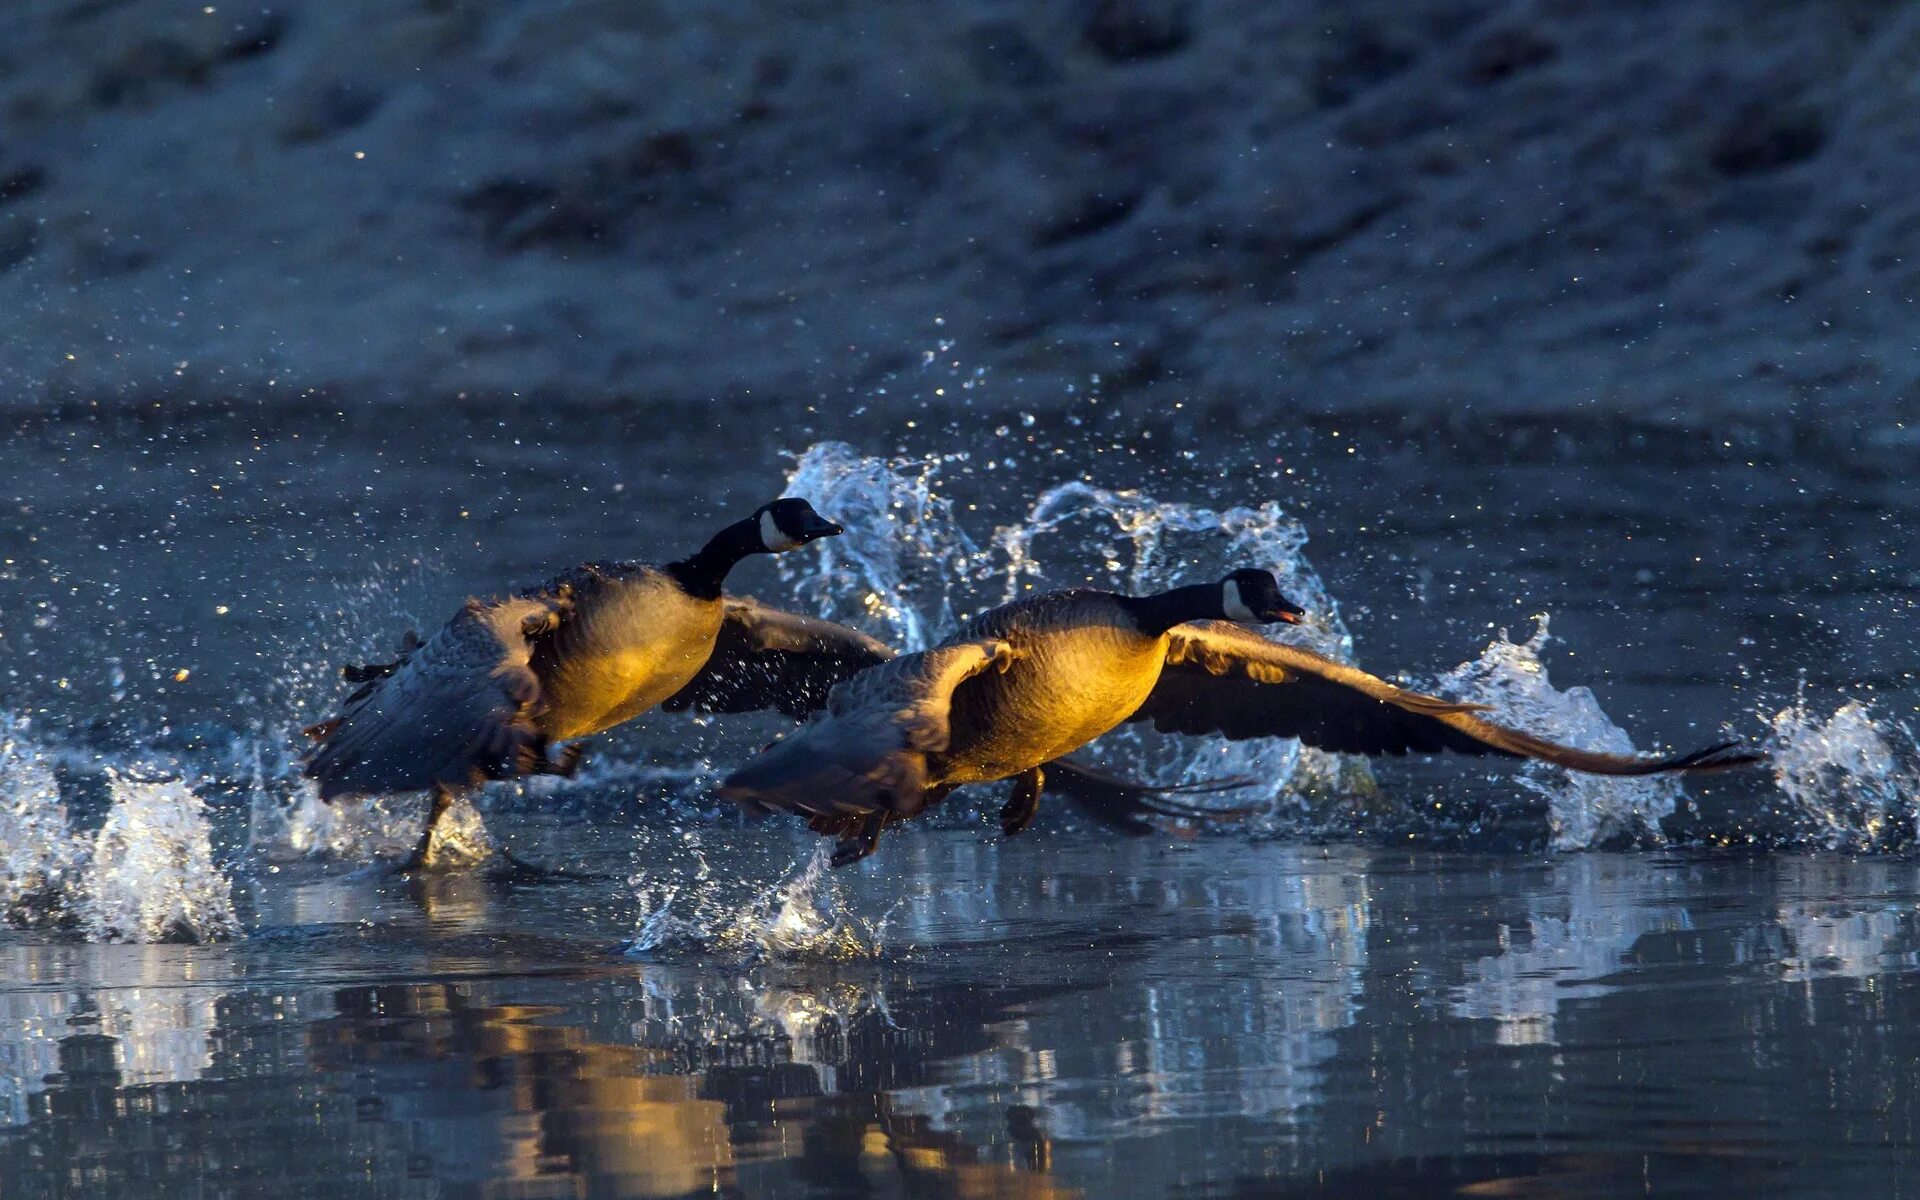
(1223, 681)
(868, 752)
(456, 709)
(768, 659)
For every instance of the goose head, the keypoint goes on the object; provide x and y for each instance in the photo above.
(1251, 597)
(790, 523)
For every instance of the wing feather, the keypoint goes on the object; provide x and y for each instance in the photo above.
(456, 709)
(765, 658)
(867, 752)
(1223, 681)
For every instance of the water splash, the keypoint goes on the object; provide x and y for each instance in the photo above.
(286, 820)
(147, 874)
(461, 838)
(39, 858)
(1146, 545)
(804, 916)
(895, 568)
(1849, 782)
(1583, 811)
(150, 876)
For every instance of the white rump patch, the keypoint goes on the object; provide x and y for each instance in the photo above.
(1236, 608)
(773, 537)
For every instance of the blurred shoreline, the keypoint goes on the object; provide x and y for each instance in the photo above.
(1697, 215)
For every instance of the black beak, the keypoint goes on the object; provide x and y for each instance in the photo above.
(1286, 612)
(820, 527)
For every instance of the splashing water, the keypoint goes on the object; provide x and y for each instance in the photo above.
(804, 916)
(38, 857)
(1846, 784)
(147, 875)
(301, 825)
(1583, 811)
(461, 838)
(286, 820)
(895, 568)
(151, 875)
(1167, 543)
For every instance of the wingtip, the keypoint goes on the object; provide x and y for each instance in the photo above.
(1720, 756)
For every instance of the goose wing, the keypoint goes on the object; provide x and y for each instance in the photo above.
(1223, 681)
(868, 752)
(456, 709)
(765, 658)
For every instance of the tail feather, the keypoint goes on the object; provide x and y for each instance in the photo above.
(1126, 805)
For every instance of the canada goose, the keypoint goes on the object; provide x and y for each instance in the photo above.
(491, 694)
(1024, 683)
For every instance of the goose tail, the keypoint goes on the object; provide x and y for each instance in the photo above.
(1128, 806)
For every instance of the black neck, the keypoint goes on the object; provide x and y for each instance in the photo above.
(702, 575)
(1160, 612)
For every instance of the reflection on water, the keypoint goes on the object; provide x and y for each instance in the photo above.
(1595, 913)
(1107, 1020)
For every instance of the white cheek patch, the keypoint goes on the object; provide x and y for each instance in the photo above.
(1235, 608)
(773, 537)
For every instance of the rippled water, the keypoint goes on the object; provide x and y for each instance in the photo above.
(1403, 978)
(1053, 1017)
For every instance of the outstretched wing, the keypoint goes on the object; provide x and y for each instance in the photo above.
(868, 752)
(768, 659)
(456, 709)
(1223, 681)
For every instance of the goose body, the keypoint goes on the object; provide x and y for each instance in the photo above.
(495, 692)
(634, 639)
(1028, 682)
(1080, 665)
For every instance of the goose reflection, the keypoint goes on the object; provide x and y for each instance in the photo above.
(504, 1095)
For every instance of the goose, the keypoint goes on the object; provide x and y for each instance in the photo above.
(1023, 684)
(505, 687)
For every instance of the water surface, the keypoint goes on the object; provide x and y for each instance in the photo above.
(1050, 1018)
(1389, 983)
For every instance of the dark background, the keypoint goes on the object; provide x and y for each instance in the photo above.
(1699, 215)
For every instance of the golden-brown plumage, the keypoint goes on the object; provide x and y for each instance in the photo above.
(1080, 666)
(632, 639)
(493, 692)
